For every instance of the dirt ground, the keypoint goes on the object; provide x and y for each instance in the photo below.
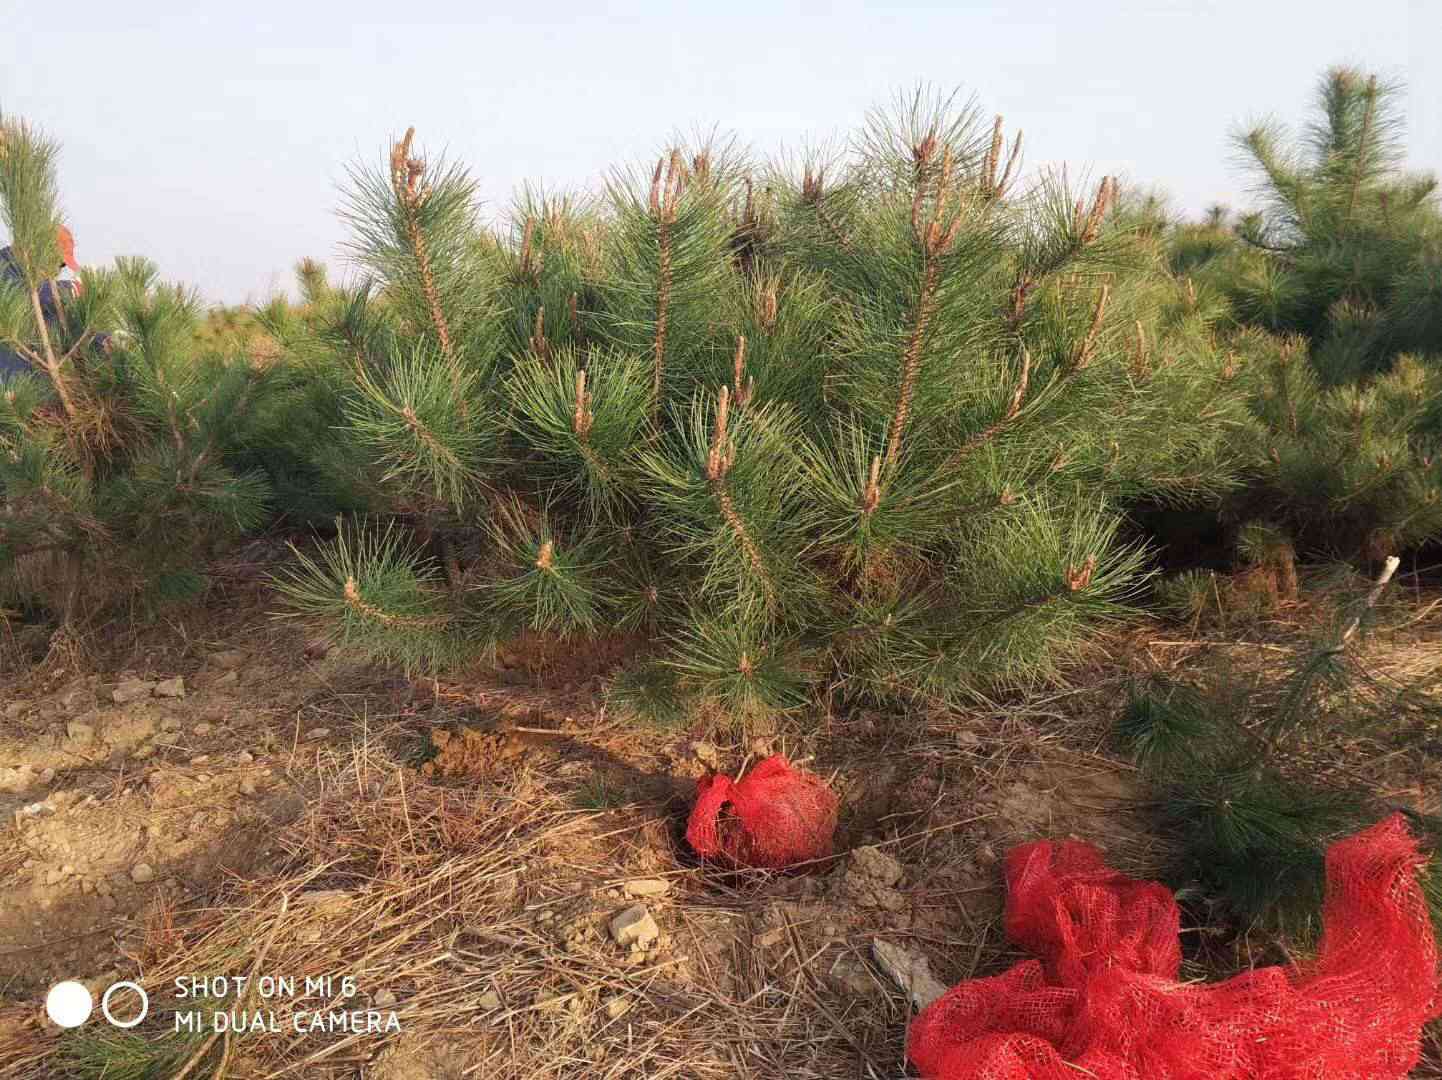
(218, 794)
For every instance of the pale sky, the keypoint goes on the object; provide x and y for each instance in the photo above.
(213, 140)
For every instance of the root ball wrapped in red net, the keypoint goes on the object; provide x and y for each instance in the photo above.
(1103, 999)
(773, 817)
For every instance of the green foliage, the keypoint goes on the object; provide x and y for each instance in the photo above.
(1341, 222)
(410, 423)
(150, 1053)
(1258, 841)
(542, 581)
(864, 426)
(601, 792)
(739, 665)
(582, 416)
(116, 447)
(28, 196)
(414, 227)
(1165, 723)
(1244, 778)
(666, 263)
(116, 1055)
(1334, 311)
(726, 493)
(379, 596)
(1353, 467)
(649, 693)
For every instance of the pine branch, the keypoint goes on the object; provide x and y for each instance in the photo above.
(1085, 351)
(718, 464)
(422, 427)
(375, 613)
(662, 205)
(1363, 146)
(52, 363)
(739, 664)
(583, 422)
(532, 258)
(539, 345)
(813, 194)
(406, 176)
(1373, 595)
(375, 593)
(994, 188)
(743, 386)
(548, 582)
(934, 239)
(1013, 410)
(911, 361)
(1141, 356)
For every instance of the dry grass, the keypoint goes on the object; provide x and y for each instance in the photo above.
(449, 899)
(456, 896)
(1383, 730)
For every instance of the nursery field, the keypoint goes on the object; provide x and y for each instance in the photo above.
(292, 814)
(889, 610)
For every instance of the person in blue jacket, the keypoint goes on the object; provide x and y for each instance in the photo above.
(11, 363)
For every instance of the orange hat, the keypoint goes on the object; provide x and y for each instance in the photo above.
(66, 239)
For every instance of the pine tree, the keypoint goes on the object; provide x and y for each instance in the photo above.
(1253, 770)
(864, 428)
(114, 471)
(1335, 289)
(1351, 469)
(1346, 239)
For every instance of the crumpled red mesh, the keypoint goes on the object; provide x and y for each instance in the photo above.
(1103, 1000)
(775, 816)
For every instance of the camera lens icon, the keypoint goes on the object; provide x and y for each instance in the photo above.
(125, 985)
(69, 1004)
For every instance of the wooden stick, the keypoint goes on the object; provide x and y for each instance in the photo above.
(1388, 569)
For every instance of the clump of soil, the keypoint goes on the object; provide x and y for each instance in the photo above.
(413, 1059)
(557, 664)
(471, 752)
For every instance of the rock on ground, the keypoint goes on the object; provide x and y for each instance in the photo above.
(911, 971)
(647, 887)
(634, 926)
(131, 690)
(171, 688)
(618, 1007)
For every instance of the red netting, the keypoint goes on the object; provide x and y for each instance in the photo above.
(775, 816)
(1104, 1002)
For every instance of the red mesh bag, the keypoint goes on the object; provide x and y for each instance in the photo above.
(1103, 1000)
(775, 816)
